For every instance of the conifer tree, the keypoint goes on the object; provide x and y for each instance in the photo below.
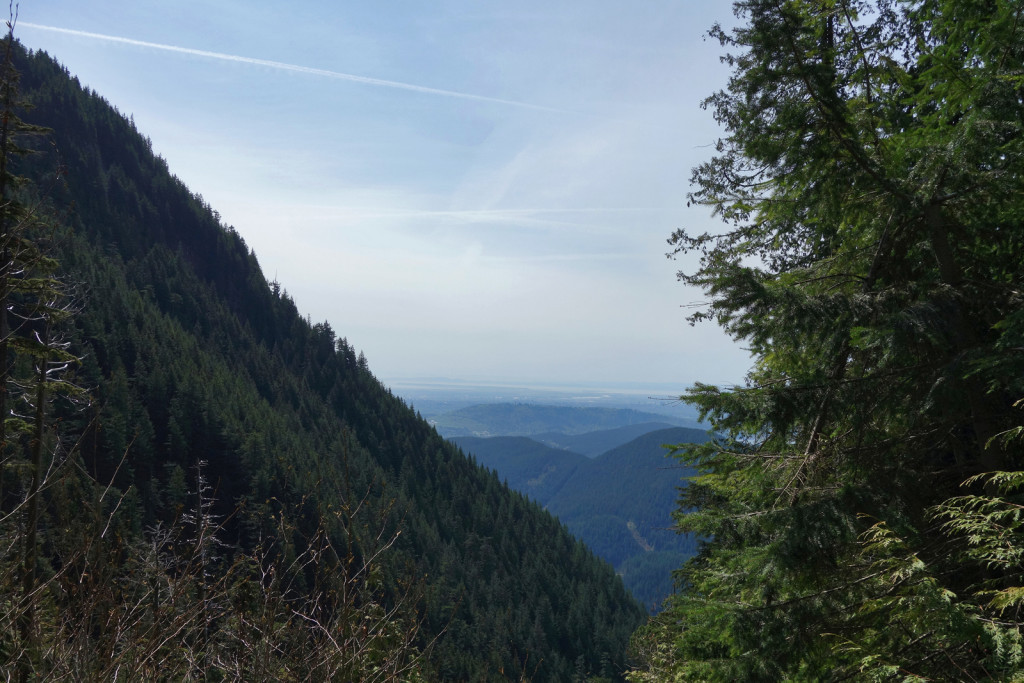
(870, 179)
(33, 358)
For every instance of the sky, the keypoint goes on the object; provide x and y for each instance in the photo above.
(469, 190)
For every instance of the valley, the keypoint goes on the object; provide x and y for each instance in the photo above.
(604, 472)
(220, 488)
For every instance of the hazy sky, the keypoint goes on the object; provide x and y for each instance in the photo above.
(472, 190)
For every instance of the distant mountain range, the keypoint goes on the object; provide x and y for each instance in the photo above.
(593, 444)
(529, 419)
(619, 503)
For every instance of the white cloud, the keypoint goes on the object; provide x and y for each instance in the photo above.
(477, 231)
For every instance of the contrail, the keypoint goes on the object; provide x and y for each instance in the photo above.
(295, 68)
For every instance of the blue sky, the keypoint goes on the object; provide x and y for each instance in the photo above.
(470, 190)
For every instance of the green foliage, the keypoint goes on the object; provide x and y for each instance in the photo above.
(192, 357)
(535, 469)
(870, 179)
(593, 444)
(649, 575)
(618, 503)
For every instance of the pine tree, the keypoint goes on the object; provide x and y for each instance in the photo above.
(19, 254)
(870, 179)
(33, 359)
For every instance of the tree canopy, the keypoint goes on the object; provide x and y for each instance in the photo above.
(238, 497)
(859, 507)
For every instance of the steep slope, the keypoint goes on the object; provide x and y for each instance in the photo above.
(533, 468)
(593, 444)
(620, 503)
(636, 485)
(193, 357)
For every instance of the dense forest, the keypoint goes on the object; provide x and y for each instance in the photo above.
(861, 507)
(196, 482)
(619, 503)
(593, 444)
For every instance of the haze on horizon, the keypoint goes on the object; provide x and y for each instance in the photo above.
(465, 191)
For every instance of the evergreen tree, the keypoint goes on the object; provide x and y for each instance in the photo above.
(34, 358)
(870, 178)
(193, 357)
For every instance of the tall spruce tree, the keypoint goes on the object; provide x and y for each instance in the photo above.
(870, 178)
(33, 358)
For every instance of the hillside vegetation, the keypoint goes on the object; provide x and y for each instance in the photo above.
(862, 508)
(232, 494)
(619, 503)
(593, 444)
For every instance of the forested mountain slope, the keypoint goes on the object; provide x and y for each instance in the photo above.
(593, 444)
(197, 364)
(638, 486)
(620, 503)
(527, 466)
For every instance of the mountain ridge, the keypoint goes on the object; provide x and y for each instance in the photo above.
(526, 419)
(620, 503)
(593, 444)
(202, 368)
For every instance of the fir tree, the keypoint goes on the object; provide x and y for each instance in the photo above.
(870, 179)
